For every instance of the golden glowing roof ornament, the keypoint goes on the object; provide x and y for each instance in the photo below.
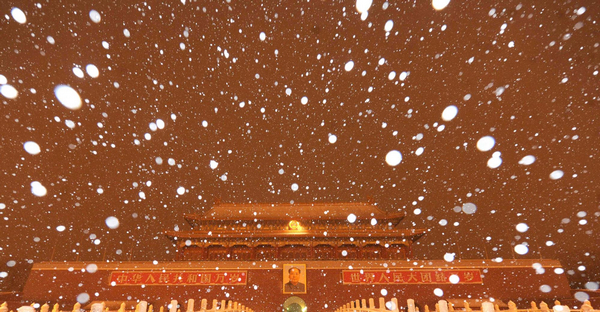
(294, 225)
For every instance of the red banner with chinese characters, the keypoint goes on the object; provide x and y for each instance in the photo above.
(362, 277)
(149, 278)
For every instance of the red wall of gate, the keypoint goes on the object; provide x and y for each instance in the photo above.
(516, 280)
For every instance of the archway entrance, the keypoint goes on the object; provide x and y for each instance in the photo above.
(294, 304)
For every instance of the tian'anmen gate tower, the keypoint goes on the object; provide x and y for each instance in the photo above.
(309, 257)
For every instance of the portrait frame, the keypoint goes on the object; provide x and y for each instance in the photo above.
(301, 286)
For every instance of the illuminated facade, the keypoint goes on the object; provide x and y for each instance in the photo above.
(337, 253)
(346, 231)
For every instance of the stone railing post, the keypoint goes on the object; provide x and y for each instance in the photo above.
(382, 304)
(487, 307)
(512, 307)
(190, 305)
(544, 307)
(173, 307)
(396, 307)
(443, 306)
(587, 306)
(98, 307)
(410, 303)
(55, 308)
(77, 307)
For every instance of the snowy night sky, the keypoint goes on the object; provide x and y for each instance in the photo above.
(143, 111)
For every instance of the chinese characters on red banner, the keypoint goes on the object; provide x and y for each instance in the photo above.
(178, 278)
(361, 277)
